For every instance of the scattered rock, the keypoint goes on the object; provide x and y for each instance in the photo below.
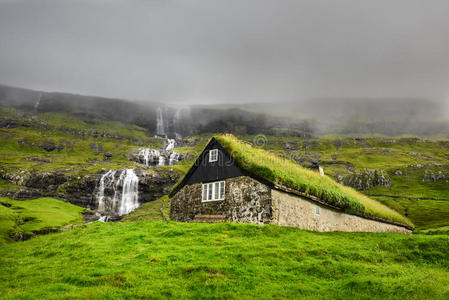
(398, 173)
(430, 176)
(366, 179)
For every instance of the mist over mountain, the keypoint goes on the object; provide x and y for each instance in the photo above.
(302, 118)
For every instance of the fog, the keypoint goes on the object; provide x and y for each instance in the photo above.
(228, 51)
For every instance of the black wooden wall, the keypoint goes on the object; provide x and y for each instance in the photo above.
(206, 171)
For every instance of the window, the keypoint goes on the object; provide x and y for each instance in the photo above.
(213, 191)
(213, 155)
(317, 210)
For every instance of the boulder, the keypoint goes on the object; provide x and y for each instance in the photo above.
(366, 179)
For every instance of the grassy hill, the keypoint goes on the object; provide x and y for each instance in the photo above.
(223, 261)
(24, 219)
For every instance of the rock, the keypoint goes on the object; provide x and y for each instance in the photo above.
(366, 179)
(48, 146)
(430, 176)
(9, 123)
(418, 155)
(398, 173)
(107, 155)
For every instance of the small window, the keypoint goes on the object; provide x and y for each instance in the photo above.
(213, 155)
(317, 210)
(213, 191)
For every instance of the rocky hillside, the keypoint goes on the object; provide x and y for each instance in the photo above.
(66, 155)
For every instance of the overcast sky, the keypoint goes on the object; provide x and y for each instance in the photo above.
(220, 51)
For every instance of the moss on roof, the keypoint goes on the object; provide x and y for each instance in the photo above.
(288, 173)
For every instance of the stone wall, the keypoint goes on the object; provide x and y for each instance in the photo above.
(289, 210)
(246, 200)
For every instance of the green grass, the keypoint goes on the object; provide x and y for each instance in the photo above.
(150, 211)
(424, 213)
(288, 173)
(160, 260)
(33, 216)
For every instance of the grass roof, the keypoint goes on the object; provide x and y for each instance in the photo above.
(288, 173)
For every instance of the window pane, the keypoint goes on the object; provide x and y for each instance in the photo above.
(222, 185)
(209, 195)
(216, 190)
(204, 191)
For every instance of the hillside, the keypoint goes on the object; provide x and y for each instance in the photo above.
(411, 172)
(232, 261)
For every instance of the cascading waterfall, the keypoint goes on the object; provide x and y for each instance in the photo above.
(177, 123)
(160, 126)
(106, 180)
(152, 157)
(36, 106)
(149, 156)
(174, 158)
(171, 143)
(125, 197)
(130, 194)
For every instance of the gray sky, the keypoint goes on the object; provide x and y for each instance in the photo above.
(220, 51)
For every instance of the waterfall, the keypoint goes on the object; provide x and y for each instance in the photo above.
(161, 161)
(144, 155)
(125, 193)
(36, 106)
(149, 156)
(160, 127)
(106, 180)
(174, 158)
(170, 144)
(130, 197)
(177, 123)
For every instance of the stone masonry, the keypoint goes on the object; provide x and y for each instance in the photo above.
(246, 201)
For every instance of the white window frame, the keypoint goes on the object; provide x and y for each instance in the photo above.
(317, 210)
(213, 155)
(213, 191)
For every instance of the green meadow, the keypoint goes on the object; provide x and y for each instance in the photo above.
(157, 260)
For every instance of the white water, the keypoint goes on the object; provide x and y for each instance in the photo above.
(130, 194)
(149, 155)
(155, 157)
(36, 106)
(106, 180)
(160, 126)
(174, 158)
(171, 143)
(125, 198)
(177, 123)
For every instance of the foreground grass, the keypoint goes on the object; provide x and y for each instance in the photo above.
(29, 217)
(223, 261)
(286, 172)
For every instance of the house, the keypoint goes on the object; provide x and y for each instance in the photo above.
(233, 181)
